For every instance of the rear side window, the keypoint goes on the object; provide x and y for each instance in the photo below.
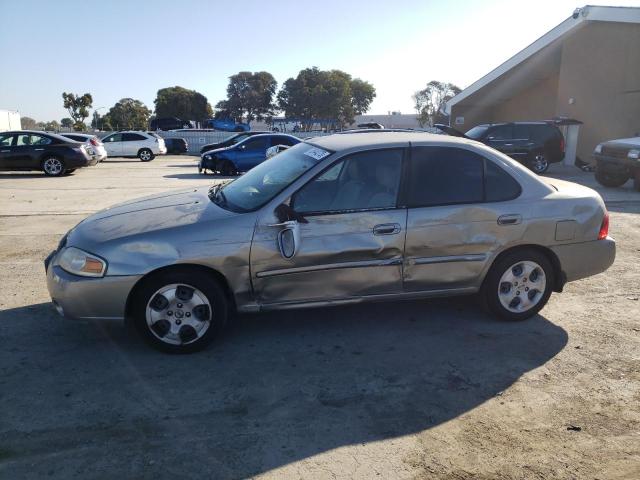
(521, 132)
(445, 176)
(132, 137)
(499, 185)
(452, 176)
(544, 133)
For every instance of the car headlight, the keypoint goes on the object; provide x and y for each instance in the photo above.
(634, 154)
(598, 149)
(79, 262)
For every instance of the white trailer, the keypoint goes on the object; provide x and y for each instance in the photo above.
(9, 120)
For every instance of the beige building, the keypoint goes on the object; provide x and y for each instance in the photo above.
(587, 68)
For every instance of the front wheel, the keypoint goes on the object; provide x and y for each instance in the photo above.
(608, 179)
(518, 285)
(539, 163)
(53, 167)
(180, 311)
(146, 155)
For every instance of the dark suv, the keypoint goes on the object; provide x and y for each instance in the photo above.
(534, 144)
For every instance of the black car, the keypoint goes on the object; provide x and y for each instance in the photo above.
(176, 145)
(232, 140)
(534, 144)
(168, 123)
(53, 154)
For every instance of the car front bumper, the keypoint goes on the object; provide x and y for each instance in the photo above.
(616, 164)
(88, 298)
(581, 260)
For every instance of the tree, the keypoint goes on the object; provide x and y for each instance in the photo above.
(78, 108)
(318, 96)
(52, 126)
(128, 113)
(249, 96)
(182, 103)
(66, 122)
(430, 102)
(28, 123)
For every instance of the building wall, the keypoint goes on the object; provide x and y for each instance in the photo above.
(535, 103)
(600, 73)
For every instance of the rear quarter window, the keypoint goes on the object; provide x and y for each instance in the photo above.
(499, 185)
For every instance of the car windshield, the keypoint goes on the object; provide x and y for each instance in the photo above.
(477, 132)
(262, 183)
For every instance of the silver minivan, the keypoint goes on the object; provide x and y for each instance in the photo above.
(334, 220)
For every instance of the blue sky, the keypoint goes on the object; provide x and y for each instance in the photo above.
(118, 48)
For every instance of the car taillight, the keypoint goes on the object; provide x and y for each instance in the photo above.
(94, 142)
(604, 227)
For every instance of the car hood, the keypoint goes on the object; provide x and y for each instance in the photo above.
(165, 211)
(633, 142)
(218, 150)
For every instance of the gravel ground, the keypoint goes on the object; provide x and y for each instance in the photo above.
(429, 389)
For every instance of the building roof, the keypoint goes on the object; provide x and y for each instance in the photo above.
(588, 13)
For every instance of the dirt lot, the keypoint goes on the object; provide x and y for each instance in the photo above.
(433, 390)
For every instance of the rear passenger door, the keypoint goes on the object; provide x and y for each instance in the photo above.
(113, 144)
(455, 200)
(6, 150)
(131, 143)
(521, 142)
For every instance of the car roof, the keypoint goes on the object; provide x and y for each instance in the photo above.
(38, 132)
(539, 122)
(346, 141)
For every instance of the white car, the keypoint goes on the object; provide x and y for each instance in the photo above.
(95, 146)
(143, 145)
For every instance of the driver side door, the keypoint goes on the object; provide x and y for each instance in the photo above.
(113, 144)
(250, 153)
(353, 242)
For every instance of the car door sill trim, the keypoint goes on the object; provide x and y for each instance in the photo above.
(479, 257)
(330, 266)
(382, 297)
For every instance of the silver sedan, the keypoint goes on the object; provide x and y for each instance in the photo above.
(335, 220)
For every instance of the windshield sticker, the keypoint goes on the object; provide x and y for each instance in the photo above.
(316, 153)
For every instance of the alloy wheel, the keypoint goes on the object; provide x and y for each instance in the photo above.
(178, 314)
(540, 164)
(522, 286)
(52, 166)
(145, 155)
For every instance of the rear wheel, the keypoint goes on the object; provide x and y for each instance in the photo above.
(518, 285)
(53, 166)
(146, 155)
(179, 311)
(609, 179)
(539, 163)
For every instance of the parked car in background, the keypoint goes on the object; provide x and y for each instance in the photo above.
(168, 123)
(96, 147)
(243, 156)
(336, 221)
(276, 149)
(534, 144)
(227, 125)
(617, 161)
(144, 145)
(176, 145)
(232, 140)
(53, 154)
(374, 125)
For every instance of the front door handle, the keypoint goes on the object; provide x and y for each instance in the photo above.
(510, 219)
(386, 229)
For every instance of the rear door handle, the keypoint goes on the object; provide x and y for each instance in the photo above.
(510, 219)
(386, 229)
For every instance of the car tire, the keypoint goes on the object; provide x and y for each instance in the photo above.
(53, 166)
(538, 163)
(188, 322)
(227, 168)
(608, 179)
(509, 290)
(145, 155)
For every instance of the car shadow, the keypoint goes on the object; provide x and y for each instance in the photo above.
(88, 398)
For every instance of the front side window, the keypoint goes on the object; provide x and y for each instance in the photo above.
(500, 132)
(255, 144)
(365, 180)
(520, 132)
(445, 176)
